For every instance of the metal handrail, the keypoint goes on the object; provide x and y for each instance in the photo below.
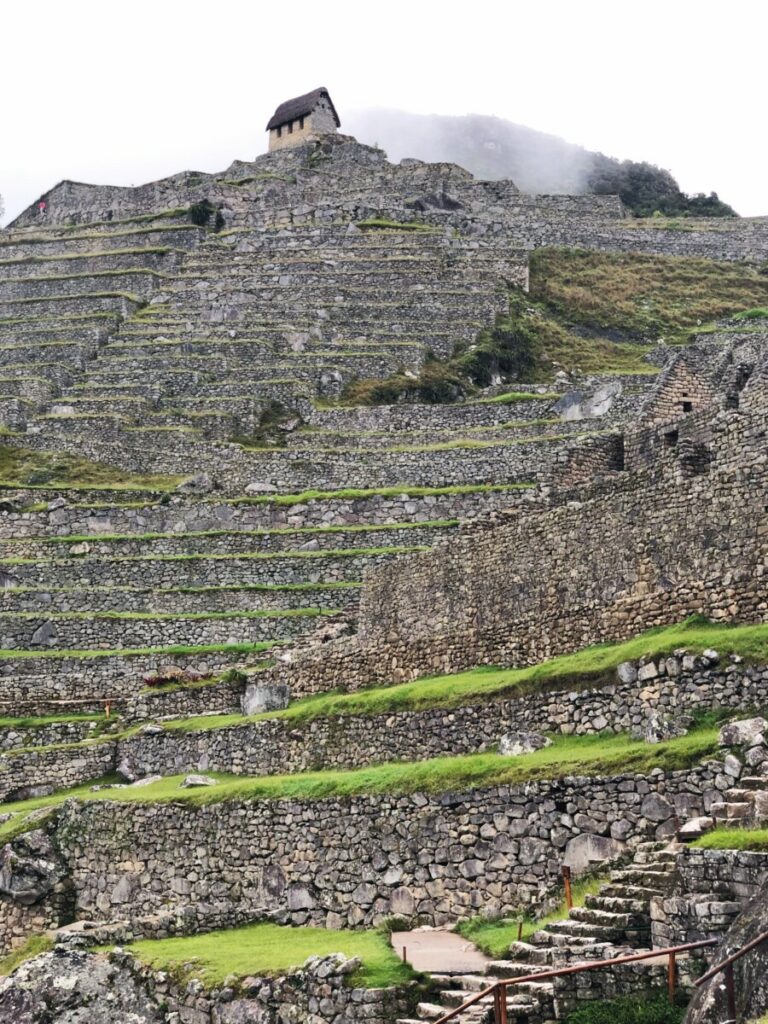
(729, 960)
(498, 988)
(726, 966)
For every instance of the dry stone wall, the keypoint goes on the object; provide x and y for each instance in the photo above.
(357, 860)
(644, 548)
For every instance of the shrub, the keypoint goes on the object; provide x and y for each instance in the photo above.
(629, 1010)
(200, 213)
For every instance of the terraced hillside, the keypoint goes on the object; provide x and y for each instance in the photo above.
(213, 543)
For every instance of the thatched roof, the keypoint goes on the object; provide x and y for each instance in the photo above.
(301, 106)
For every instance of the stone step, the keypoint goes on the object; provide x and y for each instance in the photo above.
(731, 811)
(641, 876)
(609, 918)
(628, 891)
(616, 904)
(514, 968)
(753, 783)
(581, 930)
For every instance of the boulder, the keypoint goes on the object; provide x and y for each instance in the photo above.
(584, 851)
(200, 483)
(627, 672)
(261, 697)
(656, 807)
(657, 728)
(70, 985)
(742, 733)
(709, 1005)
(257, 487)
(44, 635)
(191, 781)
(30, 868)
(514, 743)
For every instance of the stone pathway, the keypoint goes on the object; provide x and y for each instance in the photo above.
(439, 952)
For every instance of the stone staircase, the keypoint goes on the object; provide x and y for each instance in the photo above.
(614, 922)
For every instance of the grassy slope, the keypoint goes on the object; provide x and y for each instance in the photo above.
(589, 665)
(734, 839)
(588, 312)
(270, 949)
(21, 466)
(34, 945)
(643, 296)
(568, 756)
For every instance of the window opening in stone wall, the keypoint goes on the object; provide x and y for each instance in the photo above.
(290, 127)
(670, 438)
(301, 123)
(687, 406)
(279, 131)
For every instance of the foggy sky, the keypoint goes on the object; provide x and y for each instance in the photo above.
(124, 93)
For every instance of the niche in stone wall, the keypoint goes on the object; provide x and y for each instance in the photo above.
(695, 458)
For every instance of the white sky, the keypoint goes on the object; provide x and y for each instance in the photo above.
(125, 92)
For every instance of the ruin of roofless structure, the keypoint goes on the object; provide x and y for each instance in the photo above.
(301, 119)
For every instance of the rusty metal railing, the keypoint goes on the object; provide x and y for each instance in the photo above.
(498, 990)
(726, 966)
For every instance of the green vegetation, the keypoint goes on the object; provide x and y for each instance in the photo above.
(598, 755)
(22, 467)
(495, 936)
(642, 296)
(34, 946)
(379, 224)
(628, 1010)
(510, 397)
(352, 493)
(270, 949)
(734, 839)
(586, 667)
(132, 652)
(759, 313)
(42, 721)
(586, 312)
(648, 190)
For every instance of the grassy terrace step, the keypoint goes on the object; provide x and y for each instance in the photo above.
(121, 616)
(58, 654)
(734, 839)
(272, 531)
(590, 666)
(364, 494)
(33, 260)
(265, 949)
(23, 467)
(591, 756)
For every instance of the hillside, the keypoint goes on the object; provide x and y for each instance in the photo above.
(493, 148)
(375, 541)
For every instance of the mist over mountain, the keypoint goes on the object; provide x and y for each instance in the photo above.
(492, 148)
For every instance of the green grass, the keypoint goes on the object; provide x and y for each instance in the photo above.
(591, 756)
(270, 949)
(380, 224)
(628, 1010)
(642, 296)
(22, 467)
(354, 493)
(509, 397)
(494, 937)
(34, 946)
(759, 313)
(583, 668)
(734, 839)
(43, 720)
(132, 652)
